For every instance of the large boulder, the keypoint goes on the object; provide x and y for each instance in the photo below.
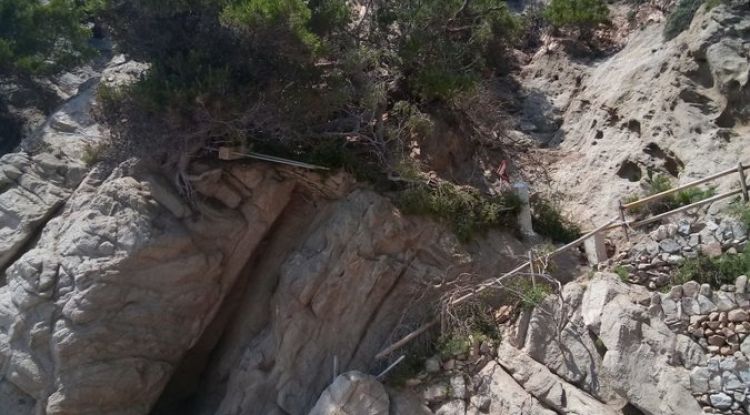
(353, 393)
(506, 395)
(553, 391)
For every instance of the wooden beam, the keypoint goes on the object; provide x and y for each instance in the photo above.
(409, 337)
(684, 208)
(683, 187)
(743, 182)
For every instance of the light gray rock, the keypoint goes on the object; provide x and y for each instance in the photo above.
(745, 346)
(721, 400)
(481, 402)
(690, 289)
(458, 387)
(454, 407)
(353, 393)
(725, 301)
(505, 394)
(670, 246)
(711, 249)
(741, 284)
(550, 389)
(699, 377)
(738, 315)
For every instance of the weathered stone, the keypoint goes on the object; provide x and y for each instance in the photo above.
(690, 289)
(548, 387)
(706, 290)
(481, 402)
(712, 249)
(505, 394)
(353, 393)
(741, 284)
(699, 377)
(724, 301)
(454, 407)
(432, 364)
(675, 259)
(670, 246)
(458, 387)
(675, 293)
(721, 400)
(435, 393)
(738, 315)
(716, 340)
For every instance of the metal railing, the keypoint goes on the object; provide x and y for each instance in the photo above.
(740, 170)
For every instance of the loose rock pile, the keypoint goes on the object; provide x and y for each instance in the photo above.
(721, 387)
(718, 320)
(446, 386)
(650, 261)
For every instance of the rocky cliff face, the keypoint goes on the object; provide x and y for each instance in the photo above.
(677, 107)
(119, 292)
(122, 296)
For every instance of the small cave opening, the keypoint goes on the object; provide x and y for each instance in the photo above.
(11, 130)
(671, 163)
(634, 126)
(631, 409)
(630, 171)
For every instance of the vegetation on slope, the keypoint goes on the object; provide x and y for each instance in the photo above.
(41, 37)
(659, 183)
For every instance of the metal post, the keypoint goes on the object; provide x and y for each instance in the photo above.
(743, 182)
(624, 222)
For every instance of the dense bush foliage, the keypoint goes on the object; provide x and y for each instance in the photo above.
(298, 72)
(582, 14)
(681, 17)
(38, 37)
(466, 209)
(547, 220)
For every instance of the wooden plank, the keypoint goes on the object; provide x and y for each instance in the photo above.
(677, 189)
(684, 208)
(743, 182)
(409, 337)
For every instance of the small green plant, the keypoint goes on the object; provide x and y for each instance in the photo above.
(714, 271)
(547, 220)
(465, 208)
(659, 183)
(681, 17)
(531, 295)
(622, 272)
(92, 154)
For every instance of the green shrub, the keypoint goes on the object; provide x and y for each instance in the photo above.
(41, 37)
(622, 273)
(466, 209)
(583, 14)
(681, 17)
(531, 295)
(714, 271)
(299, 72)
(92, 154)
(741, 211)
(547, 220)
(661, 183)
